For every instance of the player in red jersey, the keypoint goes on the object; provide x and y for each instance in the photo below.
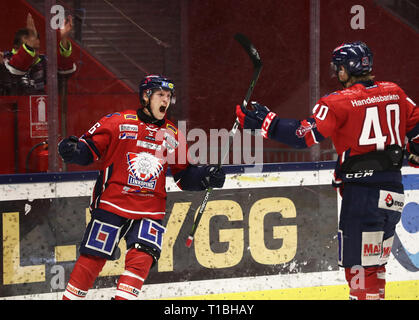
(23, 69)
(370, 123)
(136, 148)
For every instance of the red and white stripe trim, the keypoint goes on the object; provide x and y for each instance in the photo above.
(74, 293)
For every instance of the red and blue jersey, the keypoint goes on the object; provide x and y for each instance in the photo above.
(359, 119)
(135, 157)
(362, 118)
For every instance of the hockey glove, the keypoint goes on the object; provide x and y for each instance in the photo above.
(214, 177)
(413, 154)
(260, 117)
(68, 147)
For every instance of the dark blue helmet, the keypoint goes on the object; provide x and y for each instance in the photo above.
(156, 82)
(356, 57)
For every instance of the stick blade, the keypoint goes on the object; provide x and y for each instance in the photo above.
(250, 49)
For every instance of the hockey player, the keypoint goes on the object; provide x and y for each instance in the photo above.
(367, 121)
(23, 69)
(136, 148)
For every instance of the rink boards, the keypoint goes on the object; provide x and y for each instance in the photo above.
(270, 233)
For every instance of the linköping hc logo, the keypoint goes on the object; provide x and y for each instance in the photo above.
(144, 168)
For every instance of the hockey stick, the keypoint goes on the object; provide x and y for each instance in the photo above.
(257, 68)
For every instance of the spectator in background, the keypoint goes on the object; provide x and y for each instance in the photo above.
(23, 70)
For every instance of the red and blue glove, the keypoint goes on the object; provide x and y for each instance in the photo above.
(259, 117)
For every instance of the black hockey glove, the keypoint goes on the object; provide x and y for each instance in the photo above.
(260, 117)
(214, 177)
(68, 147)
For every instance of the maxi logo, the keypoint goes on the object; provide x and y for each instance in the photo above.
(151, 232)
(103, 237)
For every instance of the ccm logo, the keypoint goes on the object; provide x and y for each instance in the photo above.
(359, 174)
(266, 123)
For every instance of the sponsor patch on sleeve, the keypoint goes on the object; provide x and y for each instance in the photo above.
(131, 117)
(169, 126)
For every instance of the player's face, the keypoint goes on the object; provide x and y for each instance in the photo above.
(159, 103)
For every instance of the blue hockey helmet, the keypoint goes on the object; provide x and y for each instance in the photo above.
(156, 82)
(356, 58)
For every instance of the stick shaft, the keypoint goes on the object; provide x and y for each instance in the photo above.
(257, 66)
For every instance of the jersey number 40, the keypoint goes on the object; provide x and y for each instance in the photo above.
(372, 133)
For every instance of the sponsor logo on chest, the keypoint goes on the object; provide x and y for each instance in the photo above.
(148, 145)
(128, 135)
(128, 128)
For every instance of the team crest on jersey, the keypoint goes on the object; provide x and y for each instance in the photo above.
(144, 169)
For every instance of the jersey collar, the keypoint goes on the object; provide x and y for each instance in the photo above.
(367, 83)
(147, 119)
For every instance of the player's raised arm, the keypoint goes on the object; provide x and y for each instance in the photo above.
(295, 133)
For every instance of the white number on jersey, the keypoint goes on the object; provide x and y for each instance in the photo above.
(372, 125)
(321, 115)
(93, 129)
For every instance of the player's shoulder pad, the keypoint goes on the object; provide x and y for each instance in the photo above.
(331, 97)
(334, 93)
(392, 87)
(110, 115)
(128, 115)
(388, 85)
